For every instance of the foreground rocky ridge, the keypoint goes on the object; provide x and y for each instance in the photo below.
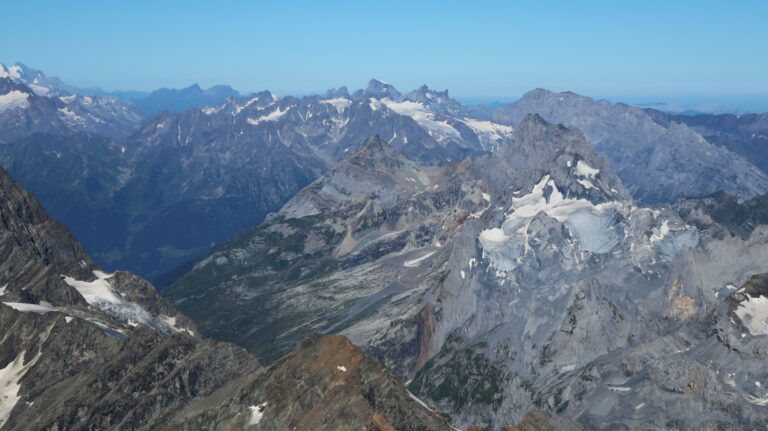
(81, 349)
(535, 283)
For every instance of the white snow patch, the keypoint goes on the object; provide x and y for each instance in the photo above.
(587, 184)
(374, 104)
(9, 384)
(31, 308)
(506, 244)
(339, 103)
(39, 89)
(170, 321)
(423, 116)
(240, 108)
(341, 368)
(68, 319)
(14, 99)
(585, 170)
(101, 275)
(272, 116)
(756, 400)
(210, 110)
(256, 413)
(568, 368)
(2, 289)
(95, 292)
(422, 403)
(482, 126)
(68, 99)
(416, 262)
(463, 274)
(100, 294)
(70, 115)
(660, 233)
(494, 235)
(486, 196)
(488, 131)
(15, 72)
(753, 313)
(620, 388)
(556, 206)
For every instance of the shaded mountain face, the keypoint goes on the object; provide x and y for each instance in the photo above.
(657, 161)
(173, 100)
(526, 279)
(24, 111)
(745, 135)
(82, 349)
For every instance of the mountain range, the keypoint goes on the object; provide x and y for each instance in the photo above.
(525, 279)
(244, 157)
(377, 260)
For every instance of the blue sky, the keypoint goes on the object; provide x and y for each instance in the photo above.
(641, 49)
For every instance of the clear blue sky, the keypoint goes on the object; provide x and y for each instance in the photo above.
(475, 49)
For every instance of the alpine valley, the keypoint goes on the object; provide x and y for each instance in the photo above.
(377, 260)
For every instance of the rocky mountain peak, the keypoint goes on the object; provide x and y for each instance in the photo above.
(438, 101)
(333, 93)
(373, 151)
(380, 90)
(636, 144)
(538, 148)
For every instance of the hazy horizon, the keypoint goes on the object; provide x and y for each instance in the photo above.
(495, 48)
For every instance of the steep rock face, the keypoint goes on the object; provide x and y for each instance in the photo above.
(81, 349)
(333, 255)
(657, 162)
(745, 135)
(550, 290)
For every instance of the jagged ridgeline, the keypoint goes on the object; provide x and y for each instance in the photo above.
(525, 279)
(152, 183)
